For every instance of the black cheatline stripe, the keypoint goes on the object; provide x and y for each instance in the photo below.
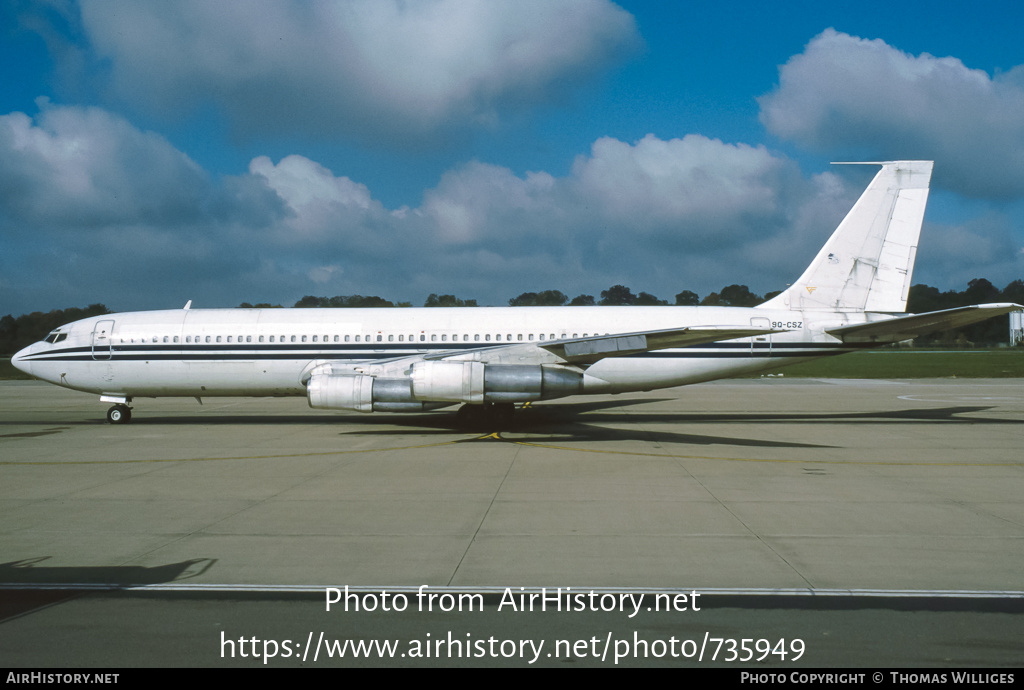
(220, 357)
(299, 350)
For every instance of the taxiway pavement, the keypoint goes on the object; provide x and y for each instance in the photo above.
(752, 485)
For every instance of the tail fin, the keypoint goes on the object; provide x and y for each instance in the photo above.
(867, 263)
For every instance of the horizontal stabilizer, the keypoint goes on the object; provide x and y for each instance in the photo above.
(907, 327)
(592, 349)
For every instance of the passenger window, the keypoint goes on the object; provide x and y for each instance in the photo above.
(444, 338)
(519, 337)
(261, 338)
(303, 338)
(401, 338)
(433, 338)
(540, 336)
(476, 337)
(487, 337)
(357, 338)
(422, 337)
(218, 338)
(229, 339)
(391, 338)
(293, 338)
(166, 340)
(380, 338)
(509, 337)
(465, 338)
(314, 338)
(337, 338)
(188, 339)
(347, 337)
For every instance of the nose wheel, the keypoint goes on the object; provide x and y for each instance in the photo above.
(119, 414)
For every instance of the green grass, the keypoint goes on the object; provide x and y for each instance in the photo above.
(872, 364)
(915, 364)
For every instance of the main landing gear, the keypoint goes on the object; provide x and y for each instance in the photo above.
(119, 414)
(487, 414)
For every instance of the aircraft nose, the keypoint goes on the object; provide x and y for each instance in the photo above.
(20, 360)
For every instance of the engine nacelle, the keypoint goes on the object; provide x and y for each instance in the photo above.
(474, 382)
(364, 393)
(328, 392)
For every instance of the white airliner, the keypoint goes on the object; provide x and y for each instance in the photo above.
(489, 358)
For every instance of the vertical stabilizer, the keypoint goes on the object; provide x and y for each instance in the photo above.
(867, 263)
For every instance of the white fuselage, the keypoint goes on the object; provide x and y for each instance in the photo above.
(264, 352)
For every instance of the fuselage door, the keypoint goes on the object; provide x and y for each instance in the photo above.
(101, 339)
(761, 345)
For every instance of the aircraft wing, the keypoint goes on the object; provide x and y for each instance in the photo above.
(590, 349)
(594, 348)
(907, 327)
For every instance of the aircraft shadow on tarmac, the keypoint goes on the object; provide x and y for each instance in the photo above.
(579, 421)
(27, 587)
(600, 421)
(28, 572)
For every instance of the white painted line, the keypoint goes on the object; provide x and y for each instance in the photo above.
(497, 590)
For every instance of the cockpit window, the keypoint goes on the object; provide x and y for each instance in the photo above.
(56, 337)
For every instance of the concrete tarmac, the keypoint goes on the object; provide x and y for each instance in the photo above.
(818, 488)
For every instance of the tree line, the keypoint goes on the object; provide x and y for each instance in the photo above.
(17, 332)
(615, 296)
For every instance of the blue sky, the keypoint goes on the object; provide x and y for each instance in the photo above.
(152, 153)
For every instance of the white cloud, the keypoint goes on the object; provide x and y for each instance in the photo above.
(322, 275)
(693, 189)
(108, 213)
(854, 97)
(983, 247)
(374, 68)
(87, 167)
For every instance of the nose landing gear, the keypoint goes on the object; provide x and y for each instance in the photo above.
(119, 414)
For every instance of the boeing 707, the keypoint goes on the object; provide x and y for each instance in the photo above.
(488, 359)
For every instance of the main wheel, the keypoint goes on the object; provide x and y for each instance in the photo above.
(119, 414)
